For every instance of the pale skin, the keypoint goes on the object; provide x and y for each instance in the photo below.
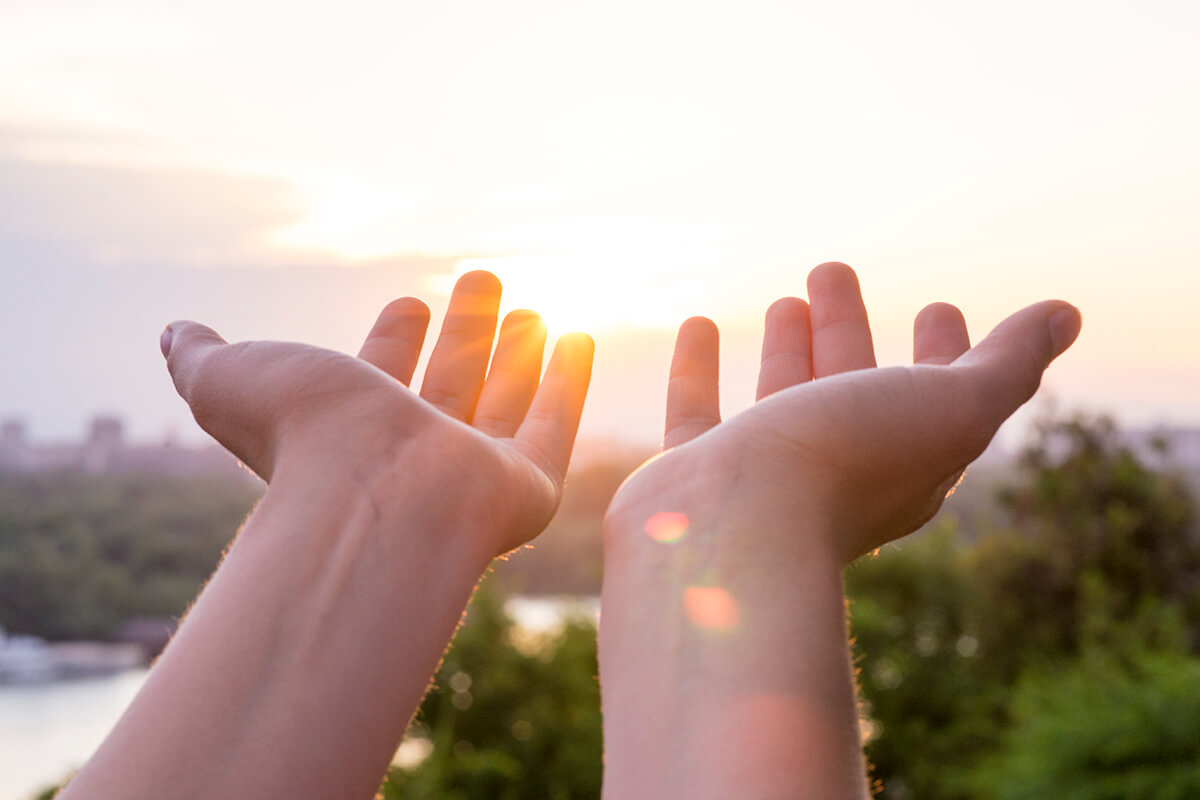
(302, 661)
(724, 662)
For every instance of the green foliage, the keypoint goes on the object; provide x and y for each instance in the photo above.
(1105, 729)
(931, 696)
(1091, 516)
(1101, 556)
(81, 553)
(512, 715)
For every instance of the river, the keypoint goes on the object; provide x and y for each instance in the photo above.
(50, 729)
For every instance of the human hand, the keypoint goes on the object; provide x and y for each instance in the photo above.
(722, 601)
(865, 454)
(331, 609)
(493, 444)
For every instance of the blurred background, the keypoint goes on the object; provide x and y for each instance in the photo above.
(283, 170)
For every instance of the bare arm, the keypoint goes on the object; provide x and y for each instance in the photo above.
(723, 653)
(297, 671)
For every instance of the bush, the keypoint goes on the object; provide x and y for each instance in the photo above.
(512, 716)
(1105, 729)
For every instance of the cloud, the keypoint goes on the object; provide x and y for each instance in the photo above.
(121, 215)
(94, 260)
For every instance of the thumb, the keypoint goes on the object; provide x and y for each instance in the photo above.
(209, 375)
(1009, 363)
(185, 345)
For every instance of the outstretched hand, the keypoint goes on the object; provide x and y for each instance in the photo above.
(868, 453)
(331, 609)
(493, 440)
(737, 534)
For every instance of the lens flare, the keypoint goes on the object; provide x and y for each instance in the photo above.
(711, 608)
(667, 526)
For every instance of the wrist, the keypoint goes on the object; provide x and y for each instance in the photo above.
(716, 520)
(750, 682)
(725, 613)
(404, 493)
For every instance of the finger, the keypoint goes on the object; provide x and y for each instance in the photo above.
(394, 343)
(786, 348)
(693, 403)
(549, 428)
(209, 375)
(939, 334)
(513, 378)
(454, 376)
(841, 333)
(1006, 367)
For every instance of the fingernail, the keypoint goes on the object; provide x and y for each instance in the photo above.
(164, 341)
(1064, 327)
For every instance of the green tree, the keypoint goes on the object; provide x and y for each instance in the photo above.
(1096, 533)
(1105, 729)
(81, 553)
(930, 699)
(1100, 555)
(512, 715)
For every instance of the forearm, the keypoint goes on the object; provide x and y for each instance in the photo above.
(722, 679)
(303, 660)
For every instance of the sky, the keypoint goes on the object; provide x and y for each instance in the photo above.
(282, 170)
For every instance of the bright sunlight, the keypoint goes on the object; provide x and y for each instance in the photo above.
(649, 282)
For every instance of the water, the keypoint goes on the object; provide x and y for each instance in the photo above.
(49, 730)
(541, 614)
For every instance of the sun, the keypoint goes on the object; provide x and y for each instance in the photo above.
(593, 292)
(585, 273)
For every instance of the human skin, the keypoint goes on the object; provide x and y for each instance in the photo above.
(724, 662)
(302, 661)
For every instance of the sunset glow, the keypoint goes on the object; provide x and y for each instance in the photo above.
(595, 291)
(620, 169)
(241, 247)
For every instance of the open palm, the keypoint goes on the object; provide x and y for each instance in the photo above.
(494, 438)
(868, 453)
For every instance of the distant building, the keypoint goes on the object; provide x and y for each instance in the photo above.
(106, 450)
(13, 444)
(105, 443)
(30, 660)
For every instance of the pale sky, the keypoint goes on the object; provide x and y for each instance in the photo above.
(283, 169)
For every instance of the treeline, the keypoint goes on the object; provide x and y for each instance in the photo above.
(1054, 656)
(81, 553)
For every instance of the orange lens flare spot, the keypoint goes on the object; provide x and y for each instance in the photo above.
(667, 526)
(711, 608)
